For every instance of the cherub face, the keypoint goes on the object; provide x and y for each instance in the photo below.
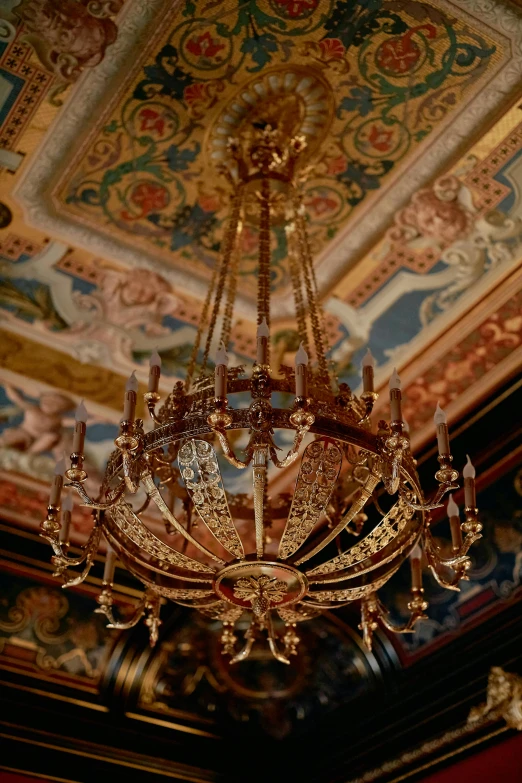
(52, 404)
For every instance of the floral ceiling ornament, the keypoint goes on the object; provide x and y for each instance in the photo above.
(346, 70)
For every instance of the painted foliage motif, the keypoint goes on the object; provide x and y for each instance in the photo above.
(390, 73)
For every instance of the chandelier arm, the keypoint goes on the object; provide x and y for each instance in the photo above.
(155, 494)
(459, 564)
(228, 451)
(436, 500)
(369, 398)
(459, 556)
(89, 503)
(62, 561)
(127, 462)
(228, 247)
(365, 494)
(89, 560)
(293, 453)
(105, 600)
(416, 606)
(272, 643)
(243, 654)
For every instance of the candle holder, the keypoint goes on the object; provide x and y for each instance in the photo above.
(219, 419)
(50, 525)
(471, 525)
(76, 472)
(127, 440)
(301, 416)
(446, 474)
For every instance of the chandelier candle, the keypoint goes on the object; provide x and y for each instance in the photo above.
(416, 568)
(80, 428)
(220, 373)
(469, 473)
(110, 565)
(263, 336)
(454, 519)
(56, 486)
(129, 401)
(395, 397)
(67, 508)
(301, 372)
(154, 372)
(368, 364)
(441, 426)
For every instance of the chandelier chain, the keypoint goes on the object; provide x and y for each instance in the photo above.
(263, 289)
(228, 248)
(297, 286)
(226, 329)
(305, 254)
(201, 328)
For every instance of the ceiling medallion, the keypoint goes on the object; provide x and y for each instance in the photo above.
(357, 510)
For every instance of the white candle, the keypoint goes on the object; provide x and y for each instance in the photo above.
(469, 473)
(67, 508)
(110, 565)
(80, 428)
(154, 372)
(456, 532)
(56, 486)
(220, 373)
(129, 401)
(416, 569)
(301, 379)
(368, 364)
(395, 396)
(441, 427)
(263, 336)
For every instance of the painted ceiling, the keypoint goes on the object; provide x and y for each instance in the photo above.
(112, 121)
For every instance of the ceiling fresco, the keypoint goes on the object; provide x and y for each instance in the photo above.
(112, 209)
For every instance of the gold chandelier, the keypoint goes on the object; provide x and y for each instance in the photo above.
(276, 559)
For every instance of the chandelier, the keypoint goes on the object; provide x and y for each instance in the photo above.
(356, 511)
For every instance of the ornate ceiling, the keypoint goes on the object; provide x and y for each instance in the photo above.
(114, 118)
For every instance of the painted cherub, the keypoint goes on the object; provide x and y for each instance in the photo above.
(42, 427)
